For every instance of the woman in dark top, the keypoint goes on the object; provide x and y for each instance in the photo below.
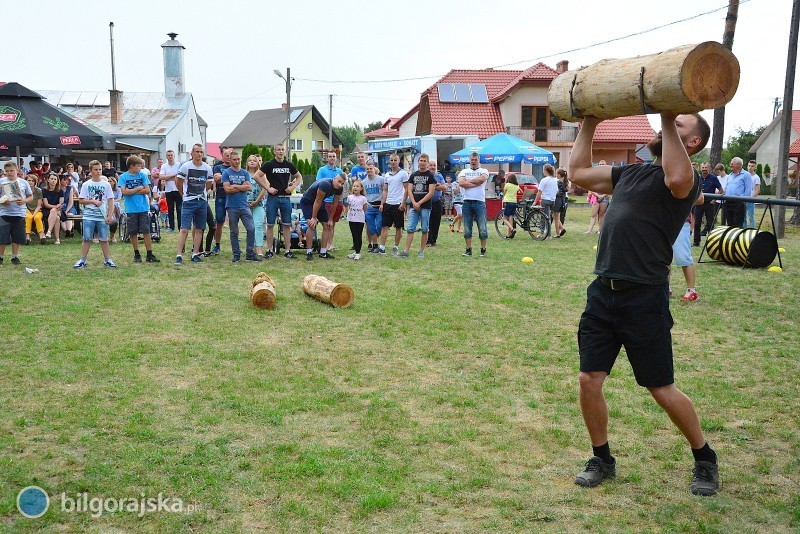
(68, 207)
(52, 201)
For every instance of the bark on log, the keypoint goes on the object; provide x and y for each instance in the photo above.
(328, 291)
(262, 295)
(263, 277)
(685, 79)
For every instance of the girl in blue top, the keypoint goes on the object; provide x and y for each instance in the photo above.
(255, 198)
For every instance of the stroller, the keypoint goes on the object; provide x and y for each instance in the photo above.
(155, 226)
(296, 243)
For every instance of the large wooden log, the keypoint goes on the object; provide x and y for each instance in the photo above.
(328, 291)
(262, 295)
(686, 79)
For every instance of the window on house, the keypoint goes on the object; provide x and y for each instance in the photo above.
(296, 145)
(319, 145)
(540, 119)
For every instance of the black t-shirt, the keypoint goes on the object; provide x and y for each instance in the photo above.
(218, 168)
(326, 186)
(108, 173)
(279, 174)
(641, 224)
(419, 182)
(53, 197)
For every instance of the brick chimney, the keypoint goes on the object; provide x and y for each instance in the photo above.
(562, 66)
(283, 106)
(116, 106)
(174, 84)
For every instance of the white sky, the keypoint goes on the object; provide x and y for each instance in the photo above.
(232, 48)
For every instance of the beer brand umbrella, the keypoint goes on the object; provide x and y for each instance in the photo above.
(29, 125)
(504, 148)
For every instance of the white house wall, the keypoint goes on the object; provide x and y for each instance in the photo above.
(409, 127)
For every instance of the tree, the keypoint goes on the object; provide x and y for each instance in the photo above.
(248, 150)
(739, 145)
(373, 126)
(350, 136)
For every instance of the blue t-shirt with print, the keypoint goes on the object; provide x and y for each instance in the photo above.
(327, 173)
(358, 172)
(236, 200)
(135, 203)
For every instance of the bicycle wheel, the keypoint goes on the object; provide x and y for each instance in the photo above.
(537, 225)
(500, 225)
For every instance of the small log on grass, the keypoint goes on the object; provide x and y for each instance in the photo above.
(685, 79)
(328, 291)
(262, 292)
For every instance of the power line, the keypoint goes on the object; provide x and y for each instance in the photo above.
(635, 34)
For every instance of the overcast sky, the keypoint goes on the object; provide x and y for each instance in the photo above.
(232, 48)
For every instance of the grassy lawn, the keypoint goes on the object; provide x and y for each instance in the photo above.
(443, 400)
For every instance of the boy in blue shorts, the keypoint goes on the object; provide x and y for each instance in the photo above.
(135, 187)
(98, 200)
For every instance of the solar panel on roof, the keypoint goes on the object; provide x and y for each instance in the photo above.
(446, 92)
(294, 115)
(479, 93)
(462, 92)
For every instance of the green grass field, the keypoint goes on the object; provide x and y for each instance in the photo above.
(443, 400)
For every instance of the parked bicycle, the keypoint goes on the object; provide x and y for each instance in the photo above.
(530, 218)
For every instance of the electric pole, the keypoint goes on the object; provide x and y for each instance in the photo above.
(719, 113)
(786, 122)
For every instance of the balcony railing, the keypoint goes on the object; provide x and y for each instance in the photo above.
(564, 134)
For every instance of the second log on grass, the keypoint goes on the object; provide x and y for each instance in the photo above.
(328, 291)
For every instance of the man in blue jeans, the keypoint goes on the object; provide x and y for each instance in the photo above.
(219, 202)
(471, 181)
(421, 185)
(236, 182)
(279, 178)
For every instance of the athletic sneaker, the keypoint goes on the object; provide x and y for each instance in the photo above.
(483, 253)
(690, 296)
(402, 254)
(252, 256)
(1, 260)
(376, 250)
(215, 250)
(15, 261)
(151, 258)
(354, 256)
(137, 258)
(109, 263)
(235, 259)
(382, 251)
(706, 479)
(268, 254)
(80, 264)
(421, 254)
(178, 260)
(196, 258)
(467, 252)
(595, 472)
(327, 256)
(309, 256)
(289, 255)
(395, 250)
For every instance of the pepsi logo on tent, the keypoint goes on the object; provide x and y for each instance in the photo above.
(70, 140)
(8, 117)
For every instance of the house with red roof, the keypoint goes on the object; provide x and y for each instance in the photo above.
(766, 146)
(489, 101)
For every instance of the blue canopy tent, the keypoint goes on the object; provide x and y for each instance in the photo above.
(504, 148)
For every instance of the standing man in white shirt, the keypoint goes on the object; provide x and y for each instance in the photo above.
(394, 203)
(548, 190)
(168, 174)
(471, 180)
(750, 208)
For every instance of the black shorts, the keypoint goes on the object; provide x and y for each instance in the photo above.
(12, 230)
(638, 319)
(308, 212)
(392, 216)
(138, 223)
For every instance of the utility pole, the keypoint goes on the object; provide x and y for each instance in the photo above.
(786, 121)
(330, 122)
(288, 80)
(719, 113)
(776, 107)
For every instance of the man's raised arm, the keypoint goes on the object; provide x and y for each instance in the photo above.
(581, 170)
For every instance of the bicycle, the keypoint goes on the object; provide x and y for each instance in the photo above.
(530, 218)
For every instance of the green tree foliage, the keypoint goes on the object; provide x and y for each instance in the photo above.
(266, 153)
(294, 159)
(316, 162)
(767, 170)
(373, 126)
(248, 150)
(350, 136)
(739, 145)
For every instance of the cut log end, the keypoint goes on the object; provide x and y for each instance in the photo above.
(328, 291)
(710, 76)
(262, 296)
(342, 296)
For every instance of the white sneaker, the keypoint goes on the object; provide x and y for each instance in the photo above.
(354, 256)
